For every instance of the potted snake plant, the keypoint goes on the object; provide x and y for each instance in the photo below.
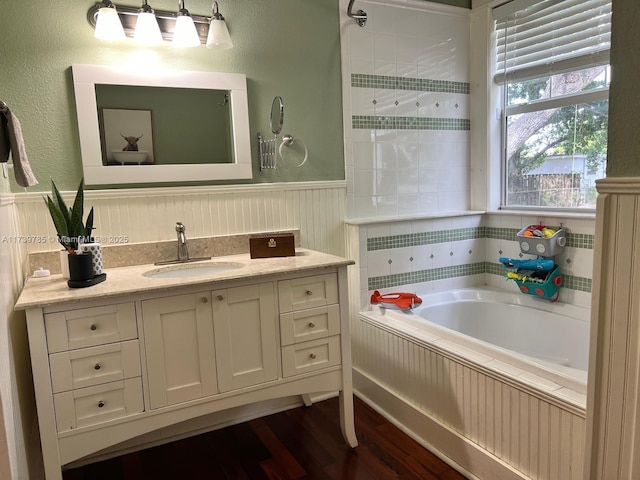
(72, 230)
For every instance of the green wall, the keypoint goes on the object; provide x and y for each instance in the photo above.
(623, 156)
(285, 47)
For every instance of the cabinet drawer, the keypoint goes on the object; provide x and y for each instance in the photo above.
(309, 324)
(92, 405)
(310, 356)
(94, 365)
(308, 292)
(87, 327)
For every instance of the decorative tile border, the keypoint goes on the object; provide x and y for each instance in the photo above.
(388, 281)
(395, 280)
(423, 238)
(408, 83)
(580, 240)
(372, 122)
(576, 240)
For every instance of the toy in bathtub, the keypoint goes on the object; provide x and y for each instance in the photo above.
(537, 282)
(544, 264)
(399, 300)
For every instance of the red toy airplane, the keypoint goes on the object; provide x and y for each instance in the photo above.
(401, 300)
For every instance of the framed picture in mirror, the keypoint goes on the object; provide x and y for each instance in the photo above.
(127, 136)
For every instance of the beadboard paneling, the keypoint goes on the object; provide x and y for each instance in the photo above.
(147, 215)
(614, 368)
(533, 436)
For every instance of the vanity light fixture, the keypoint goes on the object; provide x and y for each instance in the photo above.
(185, 34)
(218, 38)
(147, 30)
(108, 25)
(190, 30)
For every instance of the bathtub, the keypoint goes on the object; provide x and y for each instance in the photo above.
(548, 339)
(502, 373)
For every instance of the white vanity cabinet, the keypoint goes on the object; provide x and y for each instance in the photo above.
(109, 369)
(206, 343)
(181, 363)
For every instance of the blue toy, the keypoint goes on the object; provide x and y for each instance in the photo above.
(544, 264)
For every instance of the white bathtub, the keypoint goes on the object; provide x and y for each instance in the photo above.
(493, 382)
(548, 339)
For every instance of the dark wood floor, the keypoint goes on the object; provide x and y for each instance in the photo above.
(303, 443)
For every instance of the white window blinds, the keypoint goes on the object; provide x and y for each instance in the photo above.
(536, 38)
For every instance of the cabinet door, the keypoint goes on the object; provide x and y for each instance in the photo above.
(180, 349)
(245, 325)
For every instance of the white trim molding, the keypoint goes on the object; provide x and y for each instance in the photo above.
(613, 408)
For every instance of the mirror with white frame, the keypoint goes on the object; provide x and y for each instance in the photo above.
(164, 127)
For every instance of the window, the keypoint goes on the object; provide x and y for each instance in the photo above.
(552, 63)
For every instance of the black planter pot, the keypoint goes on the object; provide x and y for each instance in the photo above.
(80, 267)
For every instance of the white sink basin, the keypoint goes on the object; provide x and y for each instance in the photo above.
(192, 270)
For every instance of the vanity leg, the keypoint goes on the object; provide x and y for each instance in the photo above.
(347, 421)
(44, 396)
(306, 399)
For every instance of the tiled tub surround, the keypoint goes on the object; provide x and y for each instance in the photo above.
(433, 255)
(406, 109)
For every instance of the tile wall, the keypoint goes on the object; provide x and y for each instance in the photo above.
(407, 147)
(406, 102)
(434, 255)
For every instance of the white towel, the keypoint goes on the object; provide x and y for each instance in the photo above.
(11, 141)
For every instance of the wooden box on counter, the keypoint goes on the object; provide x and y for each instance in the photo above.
(277, 245)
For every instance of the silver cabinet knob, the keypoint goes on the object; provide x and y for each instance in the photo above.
(204, 300)
(100, 404)
(220, 298)
(312, 356)
(311, 324)
(93, 326)
(97, 366)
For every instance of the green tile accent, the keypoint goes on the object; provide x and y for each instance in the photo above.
(501, 233)
(577, 283)
(372, 122)
(408, 83)
(580, 240)
(575, 240)
(388, 281)
(423, 238)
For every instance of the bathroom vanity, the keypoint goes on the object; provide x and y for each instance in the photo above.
(153, 347)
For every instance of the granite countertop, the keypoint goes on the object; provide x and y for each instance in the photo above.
(41, 292)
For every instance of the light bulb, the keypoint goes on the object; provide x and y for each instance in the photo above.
(147, 29)
(219, 38)
(108, 25)
(185, 34)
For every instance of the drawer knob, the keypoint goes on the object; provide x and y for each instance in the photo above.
(93, 326)
(97, 366)
(100, 404)
(309, 292)
(312, 356)
(311, 324)
(204, 300)
(220, 298)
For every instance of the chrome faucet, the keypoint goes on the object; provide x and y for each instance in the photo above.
(183, 251)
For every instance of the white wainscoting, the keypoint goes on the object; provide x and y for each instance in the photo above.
(317, 209)
(20, 422)
(614, 358)
(486, 426)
